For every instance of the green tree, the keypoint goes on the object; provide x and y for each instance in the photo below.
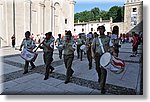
(104, 15)
(76, 17)
(116, 13)
(96, 12)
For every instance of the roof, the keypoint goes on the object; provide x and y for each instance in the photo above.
(97, 21)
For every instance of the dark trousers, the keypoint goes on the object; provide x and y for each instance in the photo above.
(79, 52)
(116, 51)
(13, 43)
(47, 56)
(134, 49)
(102, 73)
(27, 65)
(68, 59)
(60, 54)
(89, 56)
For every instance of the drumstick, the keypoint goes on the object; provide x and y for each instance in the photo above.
(39, 46)
(17, 49)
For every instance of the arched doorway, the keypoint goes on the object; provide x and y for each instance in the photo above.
(56, 18)
(116, 30)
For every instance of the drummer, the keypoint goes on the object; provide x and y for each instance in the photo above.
(115, 41)
(80, 42)
(89, 40)
(97, 52)
(48, 48)
(28, 44)
(59, 42)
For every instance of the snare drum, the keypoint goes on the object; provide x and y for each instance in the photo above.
(28, 55)
(59, 47)
(83, 47)
(112, 63)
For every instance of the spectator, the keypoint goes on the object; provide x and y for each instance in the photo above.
(13, 40)
(134, 44)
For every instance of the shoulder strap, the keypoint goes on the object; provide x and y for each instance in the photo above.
(32, 42)
(101, 45)
(25, 42)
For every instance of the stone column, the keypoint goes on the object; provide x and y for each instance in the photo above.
(72, 3)
(27, 15)
(41, 17)
(47, 16)
(9, 21)
(52, 16)
(1, 23)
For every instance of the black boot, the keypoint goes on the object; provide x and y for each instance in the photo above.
(46, 77)
(103, 91)
(25, 72)
(32, 68)
(67, 81)
(52, 69)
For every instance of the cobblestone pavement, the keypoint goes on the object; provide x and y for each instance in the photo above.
(84, 81)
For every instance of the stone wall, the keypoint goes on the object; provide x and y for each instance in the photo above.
(37, 16)
(129, 27)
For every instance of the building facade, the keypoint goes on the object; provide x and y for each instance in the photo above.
(91, 26)
(133, 16)
(36, 16)
(133, 21)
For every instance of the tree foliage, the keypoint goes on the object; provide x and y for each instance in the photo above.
(115, 12)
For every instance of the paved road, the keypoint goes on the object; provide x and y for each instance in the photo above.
(84, 81)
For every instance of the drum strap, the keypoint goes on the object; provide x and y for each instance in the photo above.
(101, 45)
(26, 43)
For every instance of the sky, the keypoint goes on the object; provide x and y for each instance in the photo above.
(82, 5)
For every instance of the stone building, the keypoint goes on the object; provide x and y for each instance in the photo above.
(36, 16)
(133, 21)
(133, 16)
(91, 26)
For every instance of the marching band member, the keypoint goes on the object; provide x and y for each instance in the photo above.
(28, 44)
(68, 55)
(115, 41)
(80, 42)
(48, 48)
(89, 40)
(59, 42)
(97, 53)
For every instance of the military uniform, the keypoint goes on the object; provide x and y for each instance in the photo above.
(48, 55)
(102, 73)
(115, 42)
(59, 41)
(89, 53)
(80, 42)
(28, 44)
(68, 58)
